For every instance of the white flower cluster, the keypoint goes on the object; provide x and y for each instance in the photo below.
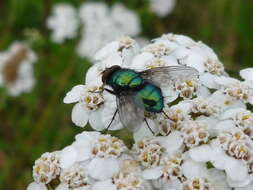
(16, 69)
(92, 162)
(99, 23)
(162, 7)
(202, 142)
(64, 22)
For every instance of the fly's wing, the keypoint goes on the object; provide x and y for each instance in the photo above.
(131, 115)
(163, 76)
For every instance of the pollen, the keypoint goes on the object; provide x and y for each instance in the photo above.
(245, 117)
(189, 83)
(88, 99)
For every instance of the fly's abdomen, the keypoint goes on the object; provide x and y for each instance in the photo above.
(150, 97)
(125, 79)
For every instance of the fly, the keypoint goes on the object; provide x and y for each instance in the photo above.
(140, 92)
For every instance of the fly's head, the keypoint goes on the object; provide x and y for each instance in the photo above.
(107, 73)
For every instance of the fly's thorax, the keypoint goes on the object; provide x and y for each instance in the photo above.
(125, 79)
(150, 98)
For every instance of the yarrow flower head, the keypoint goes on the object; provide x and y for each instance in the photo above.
(74, 177)
(195, 133)
(16, 68)
(201, 139)
(64, 22)
(46, 168)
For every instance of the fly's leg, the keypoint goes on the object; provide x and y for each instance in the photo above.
(110, 91)
(106, 89)
(149, 126)
(178, 61)
(113, 117)
(172, 122)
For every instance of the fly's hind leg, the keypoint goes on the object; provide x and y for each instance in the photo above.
(149, 126)
(171, 122)
(113, 117)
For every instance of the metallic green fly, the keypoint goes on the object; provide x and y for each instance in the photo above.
(140, 92)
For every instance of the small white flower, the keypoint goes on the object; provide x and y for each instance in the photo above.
(99, 152)
(204, 106)
(89, 99)
(63, 22)
(150, 151)
(195, 133)
(242, 118)
(188, 88)
(74, 177)
(236, 89)
(174, 118)
(16, 68)
(46, 168)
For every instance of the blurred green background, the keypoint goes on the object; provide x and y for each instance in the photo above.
(37, 122)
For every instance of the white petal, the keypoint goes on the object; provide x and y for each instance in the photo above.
(231, 113)
(218, 179)
(203, 92)
(208, 80)
(112, 59)
(36, 186)
(103, 168)
(196, 61)
(68, 157)
(104, 185)
(74, 94)
(139, 61)
(152, 173)
(226, 125)
(236, 169)
(80, 115)
(210, 122)
(141, 133)
(107, 50)
(183, 105)
(248, 187)
(95, 120)
(237, 183)
(218, 158)
(169, 94)
(83, 150)
(87, 136)
(247, 74)
(93, 75)
(62, 187)
(172, 143)
(201, 153)
(193, 169)
(225, 81)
